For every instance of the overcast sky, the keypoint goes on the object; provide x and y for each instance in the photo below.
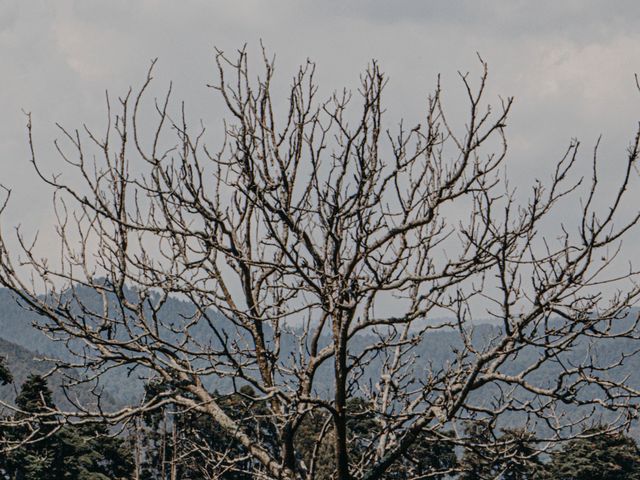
(569, 64)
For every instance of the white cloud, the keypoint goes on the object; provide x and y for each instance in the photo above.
(569, 63)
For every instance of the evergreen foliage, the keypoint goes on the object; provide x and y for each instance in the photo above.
(70, 452)
(510, 456)
(194, 447)
(477, 461)
(424, 459)
(604, 456)
(5, 374)
(519, 460)
(185, 444)
(178, 443)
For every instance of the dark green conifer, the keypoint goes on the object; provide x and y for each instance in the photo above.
(5, 374)
(612, 456)
(53, 451)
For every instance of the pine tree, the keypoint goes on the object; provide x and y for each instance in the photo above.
(603, 456)
(5, 374)
(509, 456)
(477, 461)
(35, 396)
(430, 455)
(518, 460)
(424, 459)
(191, 445)
(32, 461)
(70, 452)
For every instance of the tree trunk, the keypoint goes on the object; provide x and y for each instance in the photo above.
(340, 367)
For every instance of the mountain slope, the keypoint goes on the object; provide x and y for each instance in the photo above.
(23, 342)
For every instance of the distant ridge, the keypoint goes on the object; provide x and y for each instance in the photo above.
(22, 343)
(22, 362)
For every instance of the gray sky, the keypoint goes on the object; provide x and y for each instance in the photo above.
(569, 64)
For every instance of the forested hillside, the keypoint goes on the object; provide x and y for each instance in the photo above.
(25, 346)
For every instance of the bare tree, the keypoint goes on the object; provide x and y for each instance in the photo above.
(313, 225)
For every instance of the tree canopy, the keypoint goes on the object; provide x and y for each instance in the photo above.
(312, 242)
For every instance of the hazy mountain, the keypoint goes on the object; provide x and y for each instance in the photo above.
(21, 342)
(22, 362)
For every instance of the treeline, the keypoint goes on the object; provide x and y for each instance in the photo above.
(173, 443)
(48, 449)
